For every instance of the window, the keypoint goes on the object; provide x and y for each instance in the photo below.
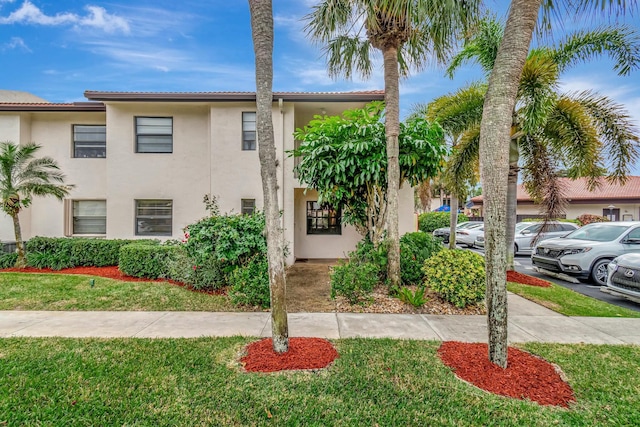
(89, 217)
(154, 134)
(248, 131)
(89, 141)
(248, 206)
(154, 217)
(323, 219)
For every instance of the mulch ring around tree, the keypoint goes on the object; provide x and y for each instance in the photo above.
(526, 376)
(112, 272)
(514, 276)
(303, 354)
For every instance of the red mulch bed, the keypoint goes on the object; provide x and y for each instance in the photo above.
(526, 376)
(304, 353)
(109, 272)
(514, 276)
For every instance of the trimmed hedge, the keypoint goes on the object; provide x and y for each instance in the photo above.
(429, 221)
(457, 276)
(415, 248)
(150, 261)
(65, 252)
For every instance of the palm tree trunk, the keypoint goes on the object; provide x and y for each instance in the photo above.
(495, 136)
(21, 262)
(453, 221)
(392, 129)
(262, 30)
(512, 202)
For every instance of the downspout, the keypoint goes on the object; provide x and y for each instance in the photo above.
(281, 107)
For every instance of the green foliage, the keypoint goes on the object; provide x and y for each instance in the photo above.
(585, 219)
(354, 280)
(344, 159)
(457, 276)
(429, 221)
(65, 252)
(146, 260)
(230, 239)
(209, 275)
(8, 260)
(416, 299)
(250, 283)
(415, 248)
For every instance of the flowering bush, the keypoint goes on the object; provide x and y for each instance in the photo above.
(585, 219)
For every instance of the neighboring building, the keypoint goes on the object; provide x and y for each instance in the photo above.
(142, 163)
(617, 202)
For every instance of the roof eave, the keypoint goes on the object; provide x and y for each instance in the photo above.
(233, 96)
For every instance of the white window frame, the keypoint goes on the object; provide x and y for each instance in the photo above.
(91, 143)
(145, 222)
(249, 144)
(72, 219)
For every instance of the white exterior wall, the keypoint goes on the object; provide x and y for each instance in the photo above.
(182, 176)
(574, 209)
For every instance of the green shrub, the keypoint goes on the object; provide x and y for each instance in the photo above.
(429, 221)
(146, 260)
(416, 299)
(249, 284)
(415, 248)
(63, 252)
(457, 276)
(8, 260)
(354, 281)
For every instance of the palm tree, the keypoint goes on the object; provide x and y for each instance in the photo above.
(495, 135)
(408, 33)
(262, 31)
(22, 176)
(576, 131)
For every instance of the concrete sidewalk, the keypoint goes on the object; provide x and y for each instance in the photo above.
(527, 322)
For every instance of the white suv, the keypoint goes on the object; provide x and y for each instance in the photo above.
(586, 252)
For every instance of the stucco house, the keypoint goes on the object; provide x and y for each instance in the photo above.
(142, 162)
(617, 202)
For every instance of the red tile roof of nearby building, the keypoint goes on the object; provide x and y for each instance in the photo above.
(51, 106)
(577, 190)
(360, 96)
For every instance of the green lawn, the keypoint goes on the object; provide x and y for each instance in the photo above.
(189, 382)
(568, 302)
(21, 291)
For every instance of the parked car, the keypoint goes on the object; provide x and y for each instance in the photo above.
(586, 252)
(526, 232)
(467, 236)
(624, 277)
(443, 232)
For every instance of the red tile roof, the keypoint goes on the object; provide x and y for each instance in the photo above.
(577, 190)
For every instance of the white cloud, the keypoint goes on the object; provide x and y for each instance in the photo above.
(97, 17)
(16, 43)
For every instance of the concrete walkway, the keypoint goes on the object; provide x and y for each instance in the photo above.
(527, 322)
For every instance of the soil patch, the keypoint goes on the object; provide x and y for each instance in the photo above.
(309, 288)
(304, 353)
(526, 376)
(514, 276)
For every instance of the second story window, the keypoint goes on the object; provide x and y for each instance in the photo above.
(248, 131)
(154, 134)
(89, 141)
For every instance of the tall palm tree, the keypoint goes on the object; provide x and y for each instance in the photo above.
(22, 176)
(262, 31)
(408, 33)
(495, 135)
(540, 107)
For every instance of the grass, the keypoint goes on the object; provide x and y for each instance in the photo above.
(190, 382)
(568, 302)
(20, 291)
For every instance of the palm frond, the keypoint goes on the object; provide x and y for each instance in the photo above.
(621, 44)
(482, 47)
(348, 55)
(537, 91)
(461, 169)
(458, 111)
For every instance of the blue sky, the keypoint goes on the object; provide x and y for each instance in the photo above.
(57, 49)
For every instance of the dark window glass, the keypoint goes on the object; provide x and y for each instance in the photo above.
(154, 134)
(89, 217)
(154, 217)
(323, 219)
(89, 141)
(248, 206)
(248, 131)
